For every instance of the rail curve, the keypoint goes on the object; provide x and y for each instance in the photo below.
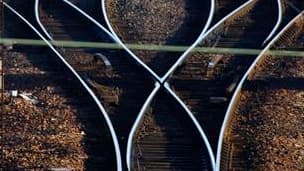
(162, 79)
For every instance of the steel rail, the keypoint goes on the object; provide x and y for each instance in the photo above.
(196, 123)
(237, 92)
(157, 85)
(167, 87)
(163, 78)
(137, 122)
(140, 62)
(209, 33)
(37, 17)
(279, 21)
(101, 108)
(183, 57)
(144, 108)
(154, 75)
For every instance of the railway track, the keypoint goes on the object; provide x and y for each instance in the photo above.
(264, 123)
(205, 82)
(123, 124)
(53, 123)
(115, 78)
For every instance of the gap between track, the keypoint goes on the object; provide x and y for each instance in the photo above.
(150, 47)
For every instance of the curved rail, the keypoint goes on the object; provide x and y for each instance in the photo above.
(163, 78)
(196, 123)
(198, 41)
(137, 122)
(201, 37)
(148, 101)
(171, 70)
(115, 39)
(183, 57)
(237, 92)
(101, 108)
(157, 87)
(154, 75)
(37, 17)
(280, 16)
(190, 114)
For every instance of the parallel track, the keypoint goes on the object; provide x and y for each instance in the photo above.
(263, 128)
